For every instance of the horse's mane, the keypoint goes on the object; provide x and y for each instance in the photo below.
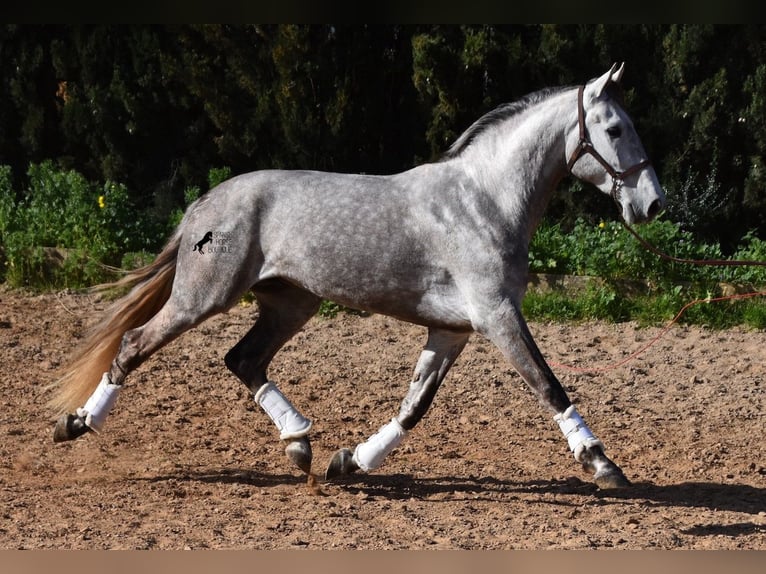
(499, 114)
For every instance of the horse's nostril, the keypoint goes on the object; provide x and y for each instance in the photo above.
(654, 209)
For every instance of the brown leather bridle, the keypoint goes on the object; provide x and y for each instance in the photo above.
(585, 146)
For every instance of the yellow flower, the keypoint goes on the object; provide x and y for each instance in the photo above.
(601, 225)
(101, 202)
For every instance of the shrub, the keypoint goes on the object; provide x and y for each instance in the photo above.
(609, 252)
(64, 231)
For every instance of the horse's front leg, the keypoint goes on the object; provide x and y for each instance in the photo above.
(440, 352)
(506, 328)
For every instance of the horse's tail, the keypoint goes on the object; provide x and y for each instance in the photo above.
(151, 286)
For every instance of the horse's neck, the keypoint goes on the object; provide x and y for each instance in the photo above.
(521, 161)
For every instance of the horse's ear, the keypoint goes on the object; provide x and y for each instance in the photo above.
(617, 74)
(597, 87)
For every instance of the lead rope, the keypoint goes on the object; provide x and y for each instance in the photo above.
(710, 262)
(664, 331)
(618, 178)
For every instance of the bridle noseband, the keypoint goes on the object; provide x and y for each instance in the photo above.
(585, 146)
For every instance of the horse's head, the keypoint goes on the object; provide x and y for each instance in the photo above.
(605, 150)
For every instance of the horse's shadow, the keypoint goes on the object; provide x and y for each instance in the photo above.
(706, 495)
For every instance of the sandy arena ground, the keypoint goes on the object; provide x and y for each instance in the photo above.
(187, 460)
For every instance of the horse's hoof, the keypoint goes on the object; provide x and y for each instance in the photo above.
(341, 464)
(299, 452)
(69, 427)
(610, 479)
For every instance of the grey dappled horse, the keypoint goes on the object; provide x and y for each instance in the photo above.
(443, 245)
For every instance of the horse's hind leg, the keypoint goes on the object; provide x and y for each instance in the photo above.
(283, 310)
(440, 352)
(179, 314)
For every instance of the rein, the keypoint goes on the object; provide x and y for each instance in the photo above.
(585, 146)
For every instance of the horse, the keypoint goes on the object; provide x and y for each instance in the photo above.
(443, 245)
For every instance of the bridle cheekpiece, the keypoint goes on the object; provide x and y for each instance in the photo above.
(585, 146)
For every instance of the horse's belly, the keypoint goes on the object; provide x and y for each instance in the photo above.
(432, 300)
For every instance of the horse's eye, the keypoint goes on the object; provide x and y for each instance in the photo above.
(614, 132)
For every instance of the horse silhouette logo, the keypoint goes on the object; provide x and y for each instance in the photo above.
(207, 239)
